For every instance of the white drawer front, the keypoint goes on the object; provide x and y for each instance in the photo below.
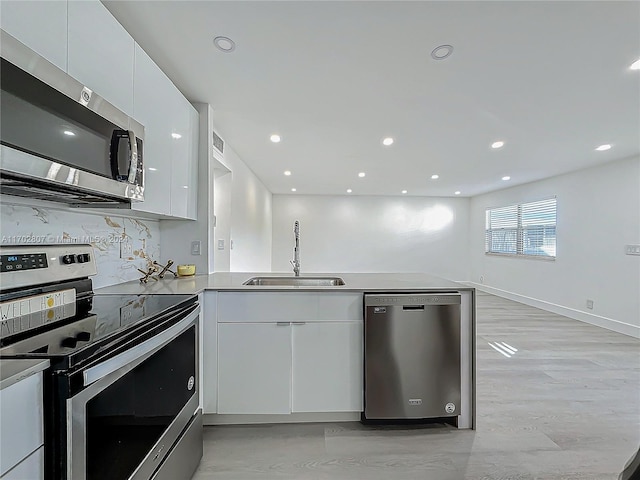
(21, 431)
(340, 307)
(288, 306)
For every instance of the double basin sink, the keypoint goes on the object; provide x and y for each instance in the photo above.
(295, 281)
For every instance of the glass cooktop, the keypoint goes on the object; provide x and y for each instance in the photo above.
(66, 328)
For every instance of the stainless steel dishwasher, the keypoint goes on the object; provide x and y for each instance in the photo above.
(412, 356)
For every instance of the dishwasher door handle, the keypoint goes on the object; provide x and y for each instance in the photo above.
(413, 307)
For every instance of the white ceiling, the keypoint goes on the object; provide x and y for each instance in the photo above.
(550, 79)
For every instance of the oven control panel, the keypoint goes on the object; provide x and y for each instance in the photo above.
(30, 265)
(27, 261)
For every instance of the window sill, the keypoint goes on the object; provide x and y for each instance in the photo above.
(545, 258)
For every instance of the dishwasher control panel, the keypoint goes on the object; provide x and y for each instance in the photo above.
(440, 298)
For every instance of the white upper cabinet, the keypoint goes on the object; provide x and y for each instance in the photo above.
(101, 53)
(184, 154)
(40, 25)
(170, 153)
(194, 150)
(152, 109)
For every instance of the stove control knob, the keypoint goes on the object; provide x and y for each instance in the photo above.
(68, 259)
(69, 342)
(83, 336)
(82, 257)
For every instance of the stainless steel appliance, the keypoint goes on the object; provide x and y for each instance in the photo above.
(412, 356)
(61, 141)
(122, 393)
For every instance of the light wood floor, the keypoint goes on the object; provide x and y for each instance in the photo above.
(565, 406)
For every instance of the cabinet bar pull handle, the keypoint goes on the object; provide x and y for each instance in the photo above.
(283, 324)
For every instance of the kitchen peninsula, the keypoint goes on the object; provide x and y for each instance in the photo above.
(295, 353)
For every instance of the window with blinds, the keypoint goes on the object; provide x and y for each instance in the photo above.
(524, 229)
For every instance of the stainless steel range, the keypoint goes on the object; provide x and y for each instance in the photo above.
(121, 395)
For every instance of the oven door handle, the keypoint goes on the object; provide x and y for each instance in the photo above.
(136, 355)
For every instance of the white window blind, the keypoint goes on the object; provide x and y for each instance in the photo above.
(524, 229)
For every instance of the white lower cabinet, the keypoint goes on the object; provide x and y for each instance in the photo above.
(31, 468)
(21, 429)
(326, 367)
(254, 368)
(286, 352)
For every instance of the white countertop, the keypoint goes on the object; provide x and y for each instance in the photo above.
(12, 371)
(359, 282)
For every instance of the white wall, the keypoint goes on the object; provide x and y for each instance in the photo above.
(598, 213)
(36, 225)
(251, 216)
(222, 209)
(373, 234)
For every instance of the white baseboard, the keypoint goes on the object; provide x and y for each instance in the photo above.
(604, 322)
(247, 419)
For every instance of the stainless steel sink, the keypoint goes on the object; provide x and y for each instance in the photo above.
(295, 281)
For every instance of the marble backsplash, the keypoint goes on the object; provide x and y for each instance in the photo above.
(121, 245)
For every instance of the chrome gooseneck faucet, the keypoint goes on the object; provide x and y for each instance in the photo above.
(296, 251)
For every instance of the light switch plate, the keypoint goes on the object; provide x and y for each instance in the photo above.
(221, 244)
(195, 247)
(632, 249)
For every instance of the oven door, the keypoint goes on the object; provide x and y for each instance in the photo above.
(134, 406)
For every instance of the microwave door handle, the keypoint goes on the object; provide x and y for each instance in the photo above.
(115, 146)
(133, 157)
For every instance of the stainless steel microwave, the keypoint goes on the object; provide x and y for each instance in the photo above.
(59, 140)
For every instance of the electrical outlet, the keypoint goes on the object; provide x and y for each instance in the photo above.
(632, 249)
(590, 304)
(126, 249)
(195, 247)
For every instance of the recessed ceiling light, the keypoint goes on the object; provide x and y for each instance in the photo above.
(224, 44)
(635, 65)
(435, 176)
(69, 133)
(604, 147)
(176, 135)
(457, 192)
(294, 190)
(361, 174)
(404, 191)
(152, 169)
(441, 52)
(287, 172)
(387, 141)
(497, 144)
(506, 177)
(349, 190)
(185, 186)
(275, 138)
